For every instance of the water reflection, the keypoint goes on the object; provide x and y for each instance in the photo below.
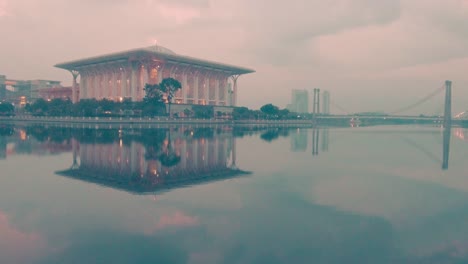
(147, 161)
(371, 199)
(446, 148)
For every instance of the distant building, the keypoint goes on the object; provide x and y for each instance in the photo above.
(326, 103)
(299, 101)
(55, 93)
(21, 92)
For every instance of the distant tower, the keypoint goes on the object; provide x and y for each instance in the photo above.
(299, 101)
(316, 103)
(326, 103)
(448, 104)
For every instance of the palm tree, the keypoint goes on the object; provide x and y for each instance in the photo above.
(169, 86)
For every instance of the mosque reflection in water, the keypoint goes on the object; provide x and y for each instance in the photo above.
(147, 161)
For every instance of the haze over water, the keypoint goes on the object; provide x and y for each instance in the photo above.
(233, 195)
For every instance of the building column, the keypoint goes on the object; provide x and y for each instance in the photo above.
(227, 95)
(141, 91)
(234, 90)
(75, 75)
(134, 82)
(160, 73)
(217, 82)
(184, 86)
(195, 88)
(207, 88)
(115, 86)
(123, 82)
(96, 84)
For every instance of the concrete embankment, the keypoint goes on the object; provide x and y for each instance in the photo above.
(100, 122)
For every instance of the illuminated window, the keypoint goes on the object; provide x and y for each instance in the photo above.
(154, 74)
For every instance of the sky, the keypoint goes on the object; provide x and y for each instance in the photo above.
(370, 55)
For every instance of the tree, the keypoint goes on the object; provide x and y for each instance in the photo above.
(270, 109)
(6, 108)
(39, 107)
(169, 87)
(203, 111)
(153, 92)
(153, 101)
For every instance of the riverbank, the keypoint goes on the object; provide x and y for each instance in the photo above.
(100, 122)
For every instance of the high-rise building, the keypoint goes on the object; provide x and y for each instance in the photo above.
(326, 103)
(299, 101)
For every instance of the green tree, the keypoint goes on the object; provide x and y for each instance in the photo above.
(153, 102)
(169, 87)
(6, 108)
(203, 111)
(270, 110)
(39, 107)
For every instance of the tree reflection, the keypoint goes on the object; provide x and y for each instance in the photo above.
(273, 134)
(169, 157)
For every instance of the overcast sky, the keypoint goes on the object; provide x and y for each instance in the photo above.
(372, 55)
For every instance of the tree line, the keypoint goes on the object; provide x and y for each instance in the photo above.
(157, 97)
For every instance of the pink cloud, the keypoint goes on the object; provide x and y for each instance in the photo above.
(175, 219)
(17, 246)
(3, 8)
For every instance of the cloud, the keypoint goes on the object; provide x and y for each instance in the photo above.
(337, 44)
(17, 246)
(3, 8)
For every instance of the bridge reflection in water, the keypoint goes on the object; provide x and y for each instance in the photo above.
(321, 136)
(177, 159)
(446, 148)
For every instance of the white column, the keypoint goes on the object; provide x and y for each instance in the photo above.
(207, 89)
(225, 88)
(75, 86)
(184, 87)
(83, 79)
(134, 83)
(217, 90)
(195, 88)
(160, 73)
(146, 80)
(114, 85)
(123, 83)
(235, 92)
(96, 84)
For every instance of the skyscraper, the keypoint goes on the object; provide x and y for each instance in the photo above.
(299, 101)
(326, 103)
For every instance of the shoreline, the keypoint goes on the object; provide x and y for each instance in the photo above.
(148, 122)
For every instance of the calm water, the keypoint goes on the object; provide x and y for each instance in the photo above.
(337, 195)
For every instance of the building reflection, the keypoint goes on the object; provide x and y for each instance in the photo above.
(320, 137)
(32, 140)
(155, 160)
(299, 140)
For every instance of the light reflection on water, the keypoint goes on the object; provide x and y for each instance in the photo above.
(233, 195)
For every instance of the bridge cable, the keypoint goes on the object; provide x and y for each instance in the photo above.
(339, 107)
(421, 101)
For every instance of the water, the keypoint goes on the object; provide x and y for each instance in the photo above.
(336, 195)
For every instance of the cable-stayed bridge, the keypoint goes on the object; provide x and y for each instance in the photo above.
(398, 115)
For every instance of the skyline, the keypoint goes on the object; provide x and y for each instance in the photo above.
(348, 47)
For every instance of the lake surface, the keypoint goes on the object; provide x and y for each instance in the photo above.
(394, 194)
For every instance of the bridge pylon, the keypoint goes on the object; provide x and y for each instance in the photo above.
(448, 105)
